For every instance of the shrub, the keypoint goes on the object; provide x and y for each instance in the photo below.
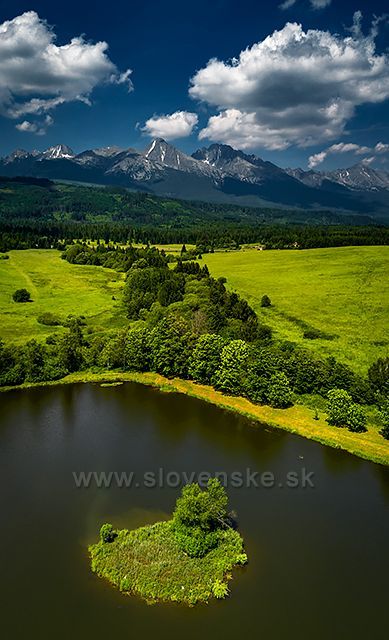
(356, 419)
(206, 358)
(232, 371)
(49, 319)
(21, 295)
(384, 415)
(137, 350)
(242, 558)
(312, 334)
(279, 393)
(265, 302)
(107, 533)
(199, 517)
(194, 541)
(343, 412)
(379, 375)
(339, 402)
(220, 589)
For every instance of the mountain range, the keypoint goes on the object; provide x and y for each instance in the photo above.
(217, 173)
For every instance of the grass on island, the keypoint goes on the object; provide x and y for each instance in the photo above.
(298, 419)
(342, 292)
(57, 287)
(149, 563)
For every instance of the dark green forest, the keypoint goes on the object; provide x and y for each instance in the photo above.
(40, 213)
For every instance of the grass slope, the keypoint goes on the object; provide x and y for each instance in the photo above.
(148, 562)
(340, 291)
(58, 287)
(298, 419)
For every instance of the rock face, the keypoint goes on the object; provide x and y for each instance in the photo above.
(359, 177)
(236, 164)
(216, 173)
(58, 152)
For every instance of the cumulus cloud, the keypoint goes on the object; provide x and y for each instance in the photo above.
(176, 125)
(348, 147)
(26, 126)
(316, 4)
(39, 128)
(242, 130)
(294, 87)
(37, 75)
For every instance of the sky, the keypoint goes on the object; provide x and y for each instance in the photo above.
(297, 82)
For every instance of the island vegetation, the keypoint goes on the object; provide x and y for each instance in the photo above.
(187, 559)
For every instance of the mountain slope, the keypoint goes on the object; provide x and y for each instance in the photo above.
(217, 173)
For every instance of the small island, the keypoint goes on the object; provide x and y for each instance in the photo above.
(187, 559)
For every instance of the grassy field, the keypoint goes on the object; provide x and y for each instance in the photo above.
(58, 287)
(343, 292)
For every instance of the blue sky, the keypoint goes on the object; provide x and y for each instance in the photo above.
(312, 93)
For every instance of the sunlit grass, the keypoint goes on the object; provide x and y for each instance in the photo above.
(342, 292)
(57, 287)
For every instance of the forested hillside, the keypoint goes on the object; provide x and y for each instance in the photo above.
(39, 213)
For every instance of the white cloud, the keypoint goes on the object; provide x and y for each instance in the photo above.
(176, 125)
(39, 128)
(242, 130)
(37, 75)
(317, 159)
(26, 126)
(287, 4)
(316, 4)
(348, 147)
(295, 87)
(320, 4)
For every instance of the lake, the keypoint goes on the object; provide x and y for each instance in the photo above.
(318, 556)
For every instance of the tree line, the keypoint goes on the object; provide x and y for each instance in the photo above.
(39, 213)
(41, 234)
(184, 323)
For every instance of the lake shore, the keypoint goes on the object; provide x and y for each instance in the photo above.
(297, 419)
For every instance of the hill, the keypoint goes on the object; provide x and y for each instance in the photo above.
(342, 293)
(42, 199)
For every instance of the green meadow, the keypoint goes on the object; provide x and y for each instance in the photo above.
(57, 287)
(342, 292)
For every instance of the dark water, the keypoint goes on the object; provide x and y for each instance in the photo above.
(319, 560)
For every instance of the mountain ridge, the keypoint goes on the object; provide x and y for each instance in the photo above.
(216, 173)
